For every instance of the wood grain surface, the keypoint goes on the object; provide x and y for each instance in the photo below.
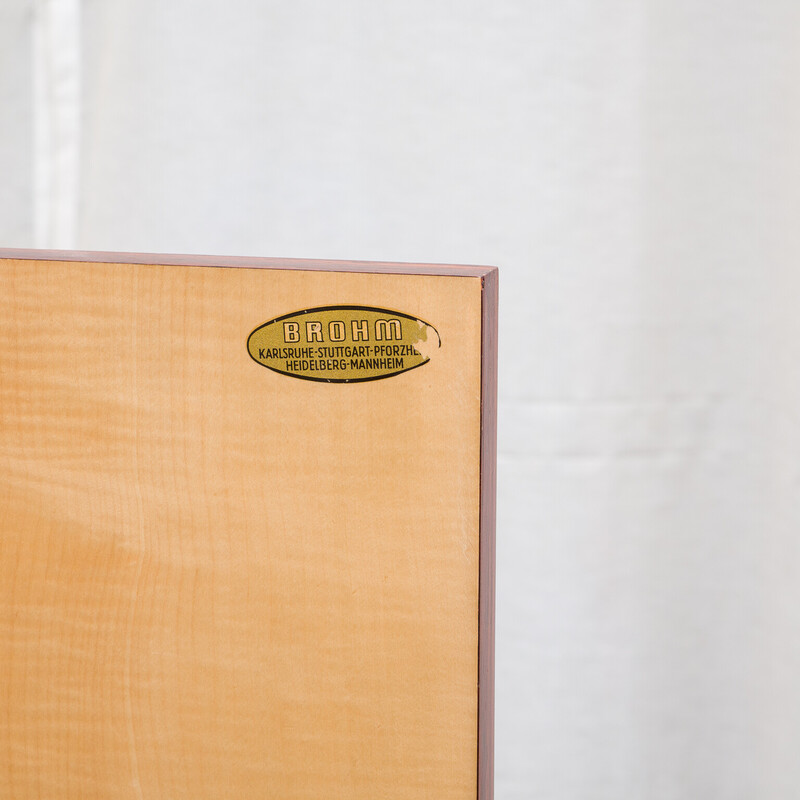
(220, 582)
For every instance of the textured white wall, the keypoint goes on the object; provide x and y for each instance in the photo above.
(633, 168)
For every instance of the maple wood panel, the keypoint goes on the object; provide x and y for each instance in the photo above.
(217, 581)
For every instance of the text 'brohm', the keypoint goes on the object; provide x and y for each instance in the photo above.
(343, 344)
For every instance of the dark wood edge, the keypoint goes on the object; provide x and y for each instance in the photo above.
(488, 500)
(244, 262)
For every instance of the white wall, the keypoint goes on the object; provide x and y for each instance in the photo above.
(633, 169)
(16, 122)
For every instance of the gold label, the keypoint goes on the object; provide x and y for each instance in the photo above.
(343, 344)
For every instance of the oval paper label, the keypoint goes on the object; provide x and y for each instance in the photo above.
(343, 344)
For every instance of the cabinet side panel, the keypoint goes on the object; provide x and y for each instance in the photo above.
(220, 581)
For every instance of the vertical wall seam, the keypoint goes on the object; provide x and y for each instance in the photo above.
(56, 121)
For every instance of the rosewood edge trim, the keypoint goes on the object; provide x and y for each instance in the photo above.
(488, 504)
(246, 262)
